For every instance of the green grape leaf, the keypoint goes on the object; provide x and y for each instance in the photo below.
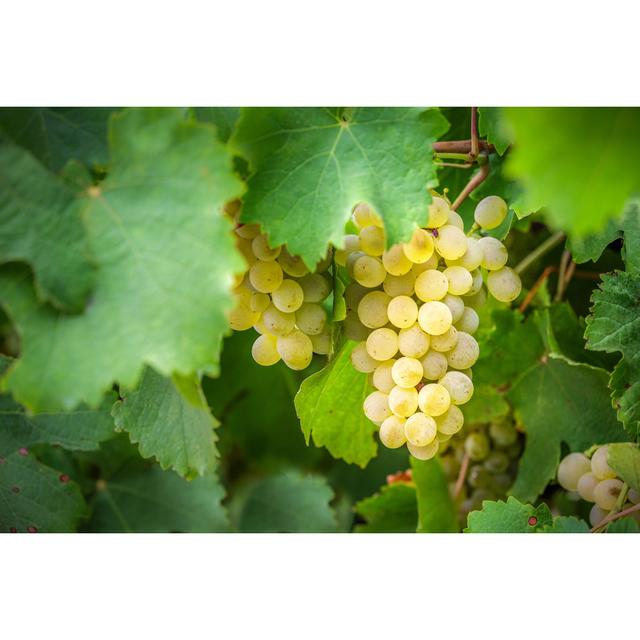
(156, 501)
(40, 224)
(312, 165)
(491, 124)
(436, 512)
(34, 498)
(559, 401)
(511, 516)
(614, 326)
(393, 510)
(56, 135)
(165, 262)
(224, 118)
(591, 247)
(624, 459)
(169, 419)
(576, 162)
(567, 524)
(329, 405)
(289, 503)
(486, 404)
(624, 525)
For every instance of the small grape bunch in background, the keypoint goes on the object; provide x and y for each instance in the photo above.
(412, 307)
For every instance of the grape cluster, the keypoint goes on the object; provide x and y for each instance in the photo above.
(594, 481)
(413, 310)
(282, 300)
(491, 451)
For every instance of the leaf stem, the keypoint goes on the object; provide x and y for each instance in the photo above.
(452, 156)
(539, 251)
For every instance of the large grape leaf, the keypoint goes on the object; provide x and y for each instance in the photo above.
(224, 118)
(624, 525)
(329, 405)
(165, 261)
(559, 401)
(40, 224)
(312, 165)
(56, 135)
(289, 503)
(511, 516)
(170, 420)
(156, 501)
(436, 512)
(487, 404)
(567, 524)
(624, 459)
(576, 161)
(614, 326)
(34, 498)
(393, 510)
(492, 125)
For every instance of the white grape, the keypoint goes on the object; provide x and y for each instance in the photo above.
(459, 279)
(382, 378)
(504, 284)
(399, 285)
(277, 322)
(438, 213)
(351, 244)
(363, 216)
(311, 318)
(420, 248)
(571, 469)
(262, 250)
(376, 407)
(469, 321)
(288, 296)
(403, 402)
(465, 353)
(490, 212)
(248, 231)
(241, 317)
(296, 349)
(599, 464)
(353, 328)
(420, 429)
(382, 344)
(424, 453)
(406, 372)
(431, 285)
(402, 312)
(372, 309)
(431, 263)
(586, 484)
(477, 299)
(321, 343)
(494, 253)
(372, 240)
(434, 318)
(392, 432)
(606, 492)
(361, 360)
(244, 246)
(315, 287)
(434, 399)
(596, 515)
(451, 243)
(265, 277)
(446, 341)
(259, 301)
(369, 271)
(413, 342)
(293, 266)
(434, 365)
(458, 385)
(353, 293)
(455, 219)
(472, 257)
(451, 421)
(264, 350)
(456, 306)
(396, 262)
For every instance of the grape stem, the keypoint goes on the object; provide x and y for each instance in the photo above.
(563, 272)
(464, 467)
(534, 290)
(615, 516)
(476, 180)
(475, 142)
(461, 146)
(539, 251)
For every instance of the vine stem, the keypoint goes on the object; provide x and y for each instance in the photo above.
(464, 467)
(532, 292)
(616, 516)
(460, 146)
(475, 141)
(475, 181)
(562, 275)
(539, 251)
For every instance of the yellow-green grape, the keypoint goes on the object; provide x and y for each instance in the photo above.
(434, 365)
(259, 301)
(288, 296)
(315, 287)
(504, 285)
(446, 341)
(369, 271)
(372, 240)
(392, 432)
(382, 344)
(599, 465)
(472, 257)
(424, 453)
(633, 496)
(458, 385)
(451, 421)
(596, 515)
(241, 317)
(353, 328)
(262, 250)
(451, 243)
(586, 484)
(248, 231)
(372, 309)
(352, 258)
(244, 246)
(402, 312)
(465, 353)
(571, 469)
(434, 318)
(278, 322)
(399, 285)
(376, 407)
(420, 248)
(406, 372)
(382, 379)
(361, 360)
(443, 438)
(260, 327)
(413, 341)
(456, 306)
(311, 318)
(431, 285)
(351, 244)
(395, 262)
(469, 321)
(438, 213)
(321, 343)
(494, 253)
(606, 493)
(433, 399)
(292, 265)
(296, 349)
(403, 402)
(265, 277)
(460, 280)
(431, 263)
(455, 219)
(363, 216)
(476, 286)
(353, 293)
(264, 350)
(420, 429)
(490, 212)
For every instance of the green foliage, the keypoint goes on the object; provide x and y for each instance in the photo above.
(312, 165)
(624, 525)
(511, 516)
(624, 459)
(151, 304)
(224, 118)
(487, 404)
(393, 510)
(564, 524)
(436, 513)
(329, 405)
(170, 420)
(491, 125)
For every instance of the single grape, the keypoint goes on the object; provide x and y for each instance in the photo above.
(494, 253)
(277, 322)
(446, 341)
(382, 378)
(596, 515)
(600, 465)
(451, 421)
(406, 372)
(431, 285)
(465, 353)
(351, 244)
(434, 318)
(504, 284)
(460, 280)
(265, 277)
(477, 446)
(413, 342)
(456, 306)
(315, 287)
(402, 312)
(490, 212)
(241, 317)
(438, 213)
(382, 344)
(376, 407)
(469, 321)
(571, 468)
(248, 231)
(353, 328)
(264, 350)
(458, 385)
(321, 343)
(399, 285)
(420, 429)
(633, 496)
(293, 266)
(403, 402)
(476, 284)
(434, 399)
(451, 243)
(364, 216)
(606, 492)
(424, 453)
(455, 219)
(368, 271)
(296, 349)
(434, 365)
(497, 462)
(420, 248)
(586, 484)
(353, 293)
(361, 360)
(259, 301)
(392, 432)
(431, 263)
(472, 257)
(503, 433)
(288, 296)
(396, 262)
(311, 318)
(372, 240)
(262, 250)
(479, 477)
(372, 309)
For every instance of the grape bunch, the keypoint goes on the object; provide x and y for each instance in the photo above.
(282, 300)
(412, 308)
(490, 453)
(595, 481)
